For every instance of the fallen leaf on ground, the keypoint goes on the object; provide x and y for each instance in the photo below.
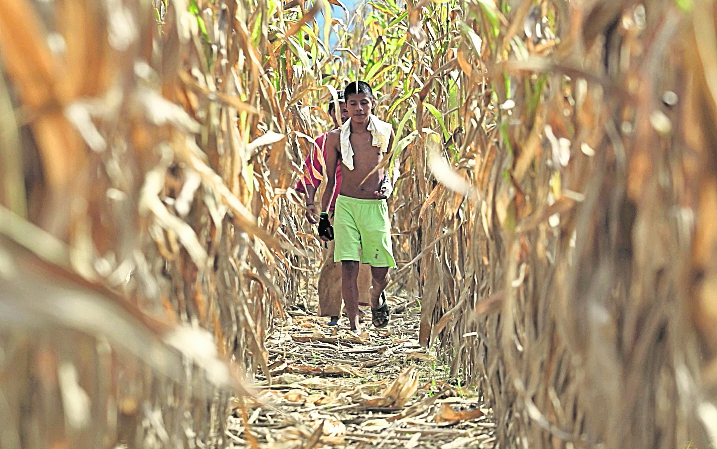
(315, 437)
(375, 425)
(304, 369)
(413, 442)
(448, 414)
(315, 399)
(366, 350)
(459, 443)
(279, 362)
(288, 378)
(399, 392)
(333, 427)
(341, 370)
(278, 369)
(331, 370)
(420, 356)
(370, 388)
(361, 339)
(333, 441)
(268, 396)
(254, 401)
(296, 396)
(417, 408)
(319, 383)
(305, 338)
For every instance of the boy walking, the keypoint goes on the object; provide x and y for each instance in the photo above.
(329, 284)
(361, 219)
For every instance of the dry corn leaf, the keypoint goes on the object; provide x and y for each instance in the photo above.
(296, 396)
(333, 427)
(375, 425)
(420, 356)
(341, 370)
(304, 369)
(448, 414)
(316, 399)
(315, 436)
(399, 392)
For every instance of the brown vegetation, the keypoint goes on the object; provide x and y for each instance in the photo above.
(555, 216)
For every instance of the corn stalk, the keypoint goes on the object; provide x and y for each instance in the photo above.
(583, 207)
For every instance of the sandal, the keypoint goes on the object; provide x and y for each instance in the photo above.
(334, 321)
(381, 314)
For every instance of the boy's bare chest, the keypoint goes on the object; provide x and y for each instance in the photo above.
(363, 142)
(361, 139)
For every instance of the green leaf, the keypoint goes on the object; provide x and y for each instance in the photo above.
(503, 128)
(439, 117)
(203, 28)
(476, 40)
(684, 5)
(535, 94)
(248, 175)
(316, 43)
(397, 19)
(398, 102)
(299, 52)
(193, 8)
(327, 23)
(491, 12)
(256, 30)
(410, 113)
(403, 143)
(386, 6)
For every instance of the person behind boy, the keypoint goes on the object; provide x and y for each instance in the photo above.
(329, 284)
(361, 223)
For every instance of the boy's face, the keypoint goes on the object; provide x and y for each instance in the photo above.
(344, 114)
(359, 107)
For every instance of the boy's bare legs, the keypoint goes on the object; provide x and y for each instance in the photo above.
(364, 284)
(379, 281)
(349, 290)
(330, 287)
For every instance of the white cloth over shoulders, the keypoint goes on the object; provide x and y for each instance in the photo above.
(381, 136)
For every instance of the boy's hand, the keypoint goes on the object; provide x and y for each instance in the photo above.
(326, 231)
(311, 213)
(385, 188)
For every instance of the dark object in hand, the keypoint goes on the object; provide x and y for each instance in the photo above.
(325, 228)
(385, 187)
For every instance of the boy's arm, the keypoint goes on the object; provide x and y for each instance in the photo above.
(310, 206)
(312, 178)
(326, 231)
(332, 158)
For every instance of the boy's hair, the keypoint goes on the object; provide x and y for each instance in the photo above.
(333, 104)
(358, 87)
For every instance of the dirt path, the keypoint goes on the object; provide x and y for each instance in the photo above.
(333, 388)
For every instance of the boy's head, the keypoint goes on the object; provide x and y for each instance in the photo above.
(358, 87)
(359, 101)
(332, 103)
(342, 108)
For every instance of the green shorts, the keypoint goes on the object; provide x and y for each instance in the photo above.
(362, 232)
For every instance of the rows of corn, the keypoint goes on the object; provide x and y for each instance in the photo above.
(554, 217)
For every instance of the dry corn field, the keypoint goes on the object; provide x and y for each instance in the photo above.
(553, 224)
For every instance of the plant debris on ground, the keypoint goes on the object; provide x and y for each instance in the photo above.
(332, 387)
